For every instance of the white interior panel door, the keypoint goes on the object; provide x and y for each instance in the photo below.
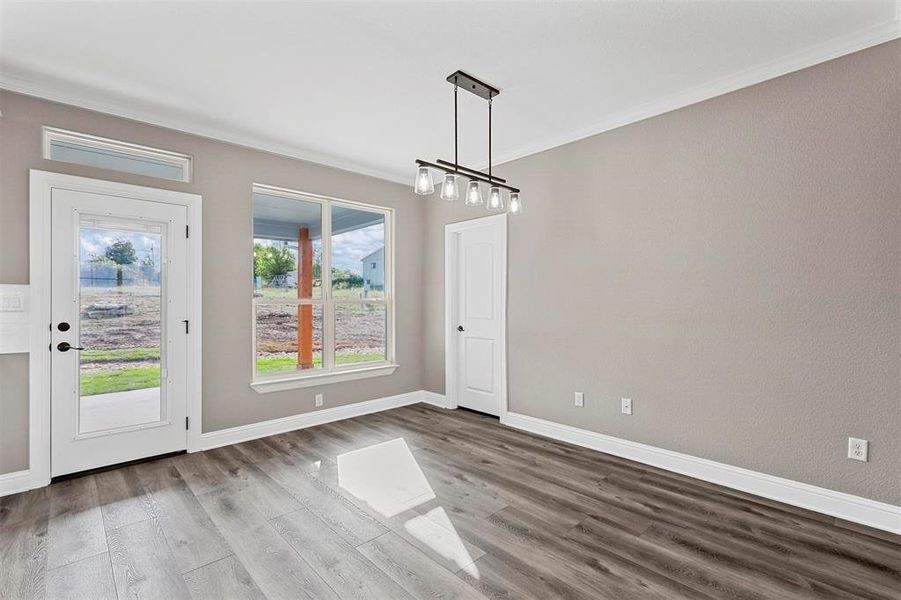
(118, 343)
(480, 287)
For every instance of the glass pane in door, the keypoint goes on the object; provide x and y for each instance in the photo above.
(120, 324)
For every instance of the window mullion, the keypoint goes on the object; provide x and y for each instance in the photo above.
(328, 309)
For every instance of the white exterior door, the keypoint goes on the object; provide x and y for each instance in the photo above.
(118, 332)
(478, 291)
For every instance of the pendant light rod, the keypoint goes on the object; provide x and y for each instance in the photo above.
(489, 137)
(465, 169)
(470, 175)
(456, 158)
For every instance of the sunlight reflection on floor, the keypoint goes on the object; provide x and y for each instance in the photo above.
(387, 477)
(436, 531)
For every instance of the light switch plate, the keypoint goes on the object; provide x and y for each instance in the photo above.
(14, 323)
(13, 298)
(626, 406)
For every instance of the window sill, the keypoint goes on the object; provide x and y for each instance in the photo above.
(266, 386)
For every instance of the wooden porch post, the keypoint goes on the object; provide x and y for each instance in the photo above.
(305, 291)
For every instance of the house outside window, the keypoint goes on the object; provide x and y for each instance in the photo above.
(323, 305)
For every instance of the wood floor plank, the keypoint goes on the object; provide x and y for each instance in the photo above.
(352, 576)
(24, 520)
(697, 570)
(299, 447)
(143, 565)
(200, 472)
(192, 536)
(348, 520)
(76, 528)
(416, 572)
(274, 565)
(88, 579)
(224, 579)
(533, 545)
(122, 498)
(431, 533)
(503, 513)
(608, 574)
(269, 498)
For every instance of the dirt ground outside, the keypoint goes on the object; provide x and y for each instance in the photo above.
(121, 328)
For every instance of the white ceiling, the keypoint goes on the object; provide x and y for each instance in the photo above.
(360, 85)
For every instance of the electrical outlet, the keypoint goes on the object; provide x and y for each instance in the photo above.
(318, 400)
(626, 406)
(579, 399)
(858, 449)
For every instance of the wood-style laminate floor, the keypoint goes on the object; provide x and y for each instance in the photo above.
(423, 503)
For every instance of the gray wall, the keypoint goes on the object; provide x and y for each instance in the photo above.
(734, 267)
(223, 175)
(14, 415)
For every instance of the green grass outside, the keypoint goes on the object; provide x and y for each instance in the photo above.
(269, 366)
(120, 380)
(123, 355)
(106, 382)
(338, 292)
(123, 380)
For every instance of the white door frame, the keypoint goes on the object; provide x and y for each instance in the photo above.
(451, 298)
(41, 185)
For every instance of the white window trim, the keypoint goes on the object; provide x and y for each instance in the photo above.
(329, 373)
(176, 159)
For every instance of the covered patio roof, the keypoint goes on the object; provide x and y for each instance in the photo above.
(280, 218)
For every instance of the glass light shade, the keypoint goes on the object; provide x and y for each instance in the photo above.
(449, 189)
(474, 193)
(515, 206)
(495, 199)
(423, 184)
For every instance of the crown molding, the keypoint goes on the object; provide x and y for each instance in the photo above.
(808, 57)
(63, 92)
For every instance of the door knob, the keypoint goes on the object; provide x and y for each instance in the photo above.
(459, 328)
(66, 346)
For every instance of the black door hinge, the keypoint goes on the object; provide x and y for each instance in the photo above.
(186, 422)
(187, 326)
(187, 231)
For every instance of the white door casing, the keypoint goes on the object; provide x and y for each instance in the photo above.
(129, 203)
(475, 289)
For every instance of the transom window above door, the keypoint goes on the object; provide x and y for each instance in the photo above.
(323, 297)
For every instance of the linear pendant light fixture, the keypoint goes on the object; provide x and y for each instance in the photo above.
(454, 171)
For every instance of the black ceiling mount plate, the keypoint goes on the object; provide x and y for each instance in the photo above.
(469, 83)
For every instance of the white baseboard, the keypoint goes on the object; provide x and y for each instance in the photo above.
(434, 399)
(15, 482)
(837, 504)
(244, 433)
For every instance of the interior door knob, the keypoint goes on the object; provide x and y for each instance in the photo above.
(459, 328)
(66, 346)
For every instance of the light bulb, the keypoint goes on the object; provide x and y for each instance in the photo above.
(495, 199)
(423, 184)
(515, 206)
(474, 194)
(449, 189)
